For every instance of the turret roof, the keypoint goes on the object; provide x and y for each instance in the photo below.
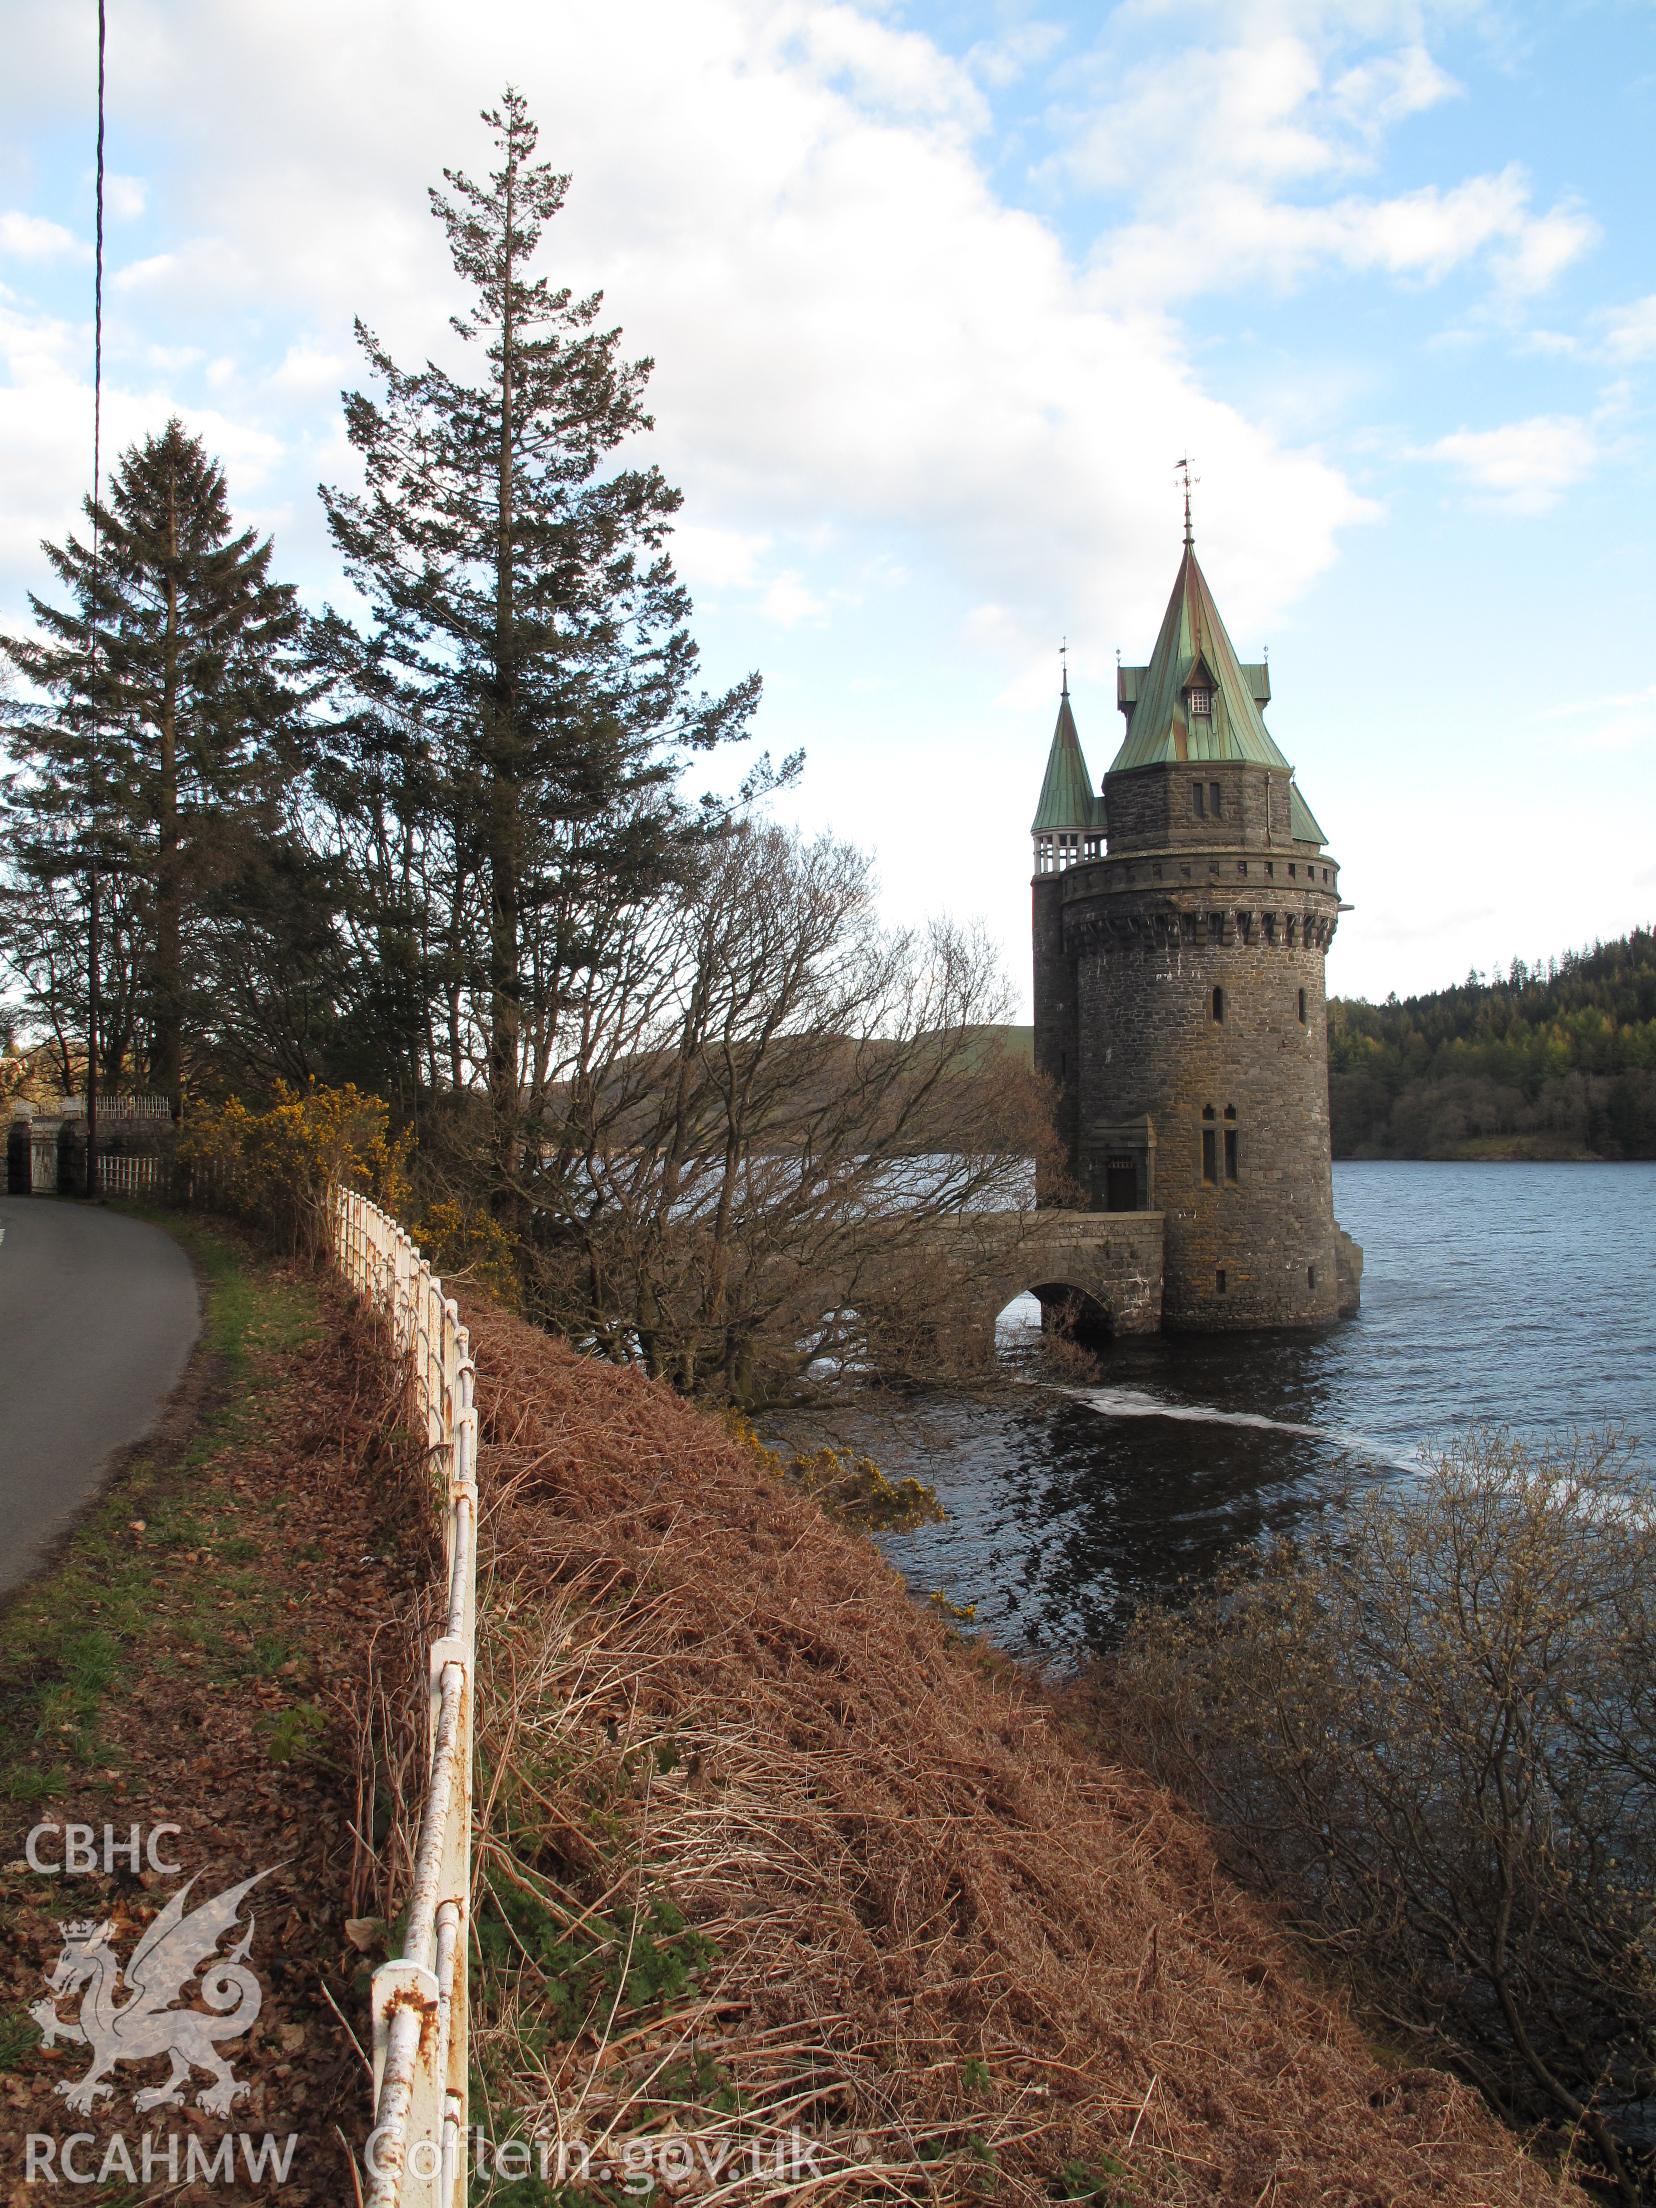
(1194, 651)
(1068, 799)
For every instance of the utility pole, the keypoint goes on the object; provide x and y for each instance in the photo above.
(94, 1005)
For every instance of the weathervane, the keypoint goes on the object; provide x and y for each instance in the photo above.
(1063, 662)
(1184, 467)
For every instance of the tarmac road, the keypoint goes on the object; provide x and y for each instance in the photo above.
(98, 1314)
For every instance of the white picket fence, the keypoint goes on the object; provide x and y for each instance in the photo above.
(129, 1176)
(417, 2155)
(122, 1107)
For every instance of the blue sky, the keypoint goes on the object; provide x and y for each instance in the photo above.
(938, 295)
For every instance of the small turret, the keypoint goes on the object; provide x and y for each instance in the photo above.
(1066, 827)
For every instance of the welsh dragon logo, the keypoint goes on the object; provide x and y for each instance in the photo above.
(172, 1951)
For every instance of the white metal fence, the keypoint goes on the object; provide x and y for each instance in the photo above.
(129, 1176)
(417, 2155)
(122, 1107)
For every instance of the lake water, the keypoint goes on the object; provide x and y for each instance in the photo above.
(1519, 1294)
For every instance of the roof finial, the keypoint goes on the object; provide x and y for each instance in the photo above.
(1184, 467)
(1063, 661)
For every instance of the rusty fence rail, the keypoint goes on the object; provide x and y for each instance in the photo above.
(417, 2154)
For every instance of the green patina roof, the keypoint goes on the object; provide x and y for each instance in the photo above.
(1067, 796)
(1301, 819)
(1193, 649)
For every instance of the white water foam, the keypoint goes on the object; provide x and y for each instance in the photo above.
(1134, 1403)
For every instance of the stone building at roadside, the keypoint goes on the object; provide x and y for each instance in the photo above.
(1182, 916)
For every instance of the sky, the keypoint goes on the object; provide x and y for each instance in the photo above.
(938, 292)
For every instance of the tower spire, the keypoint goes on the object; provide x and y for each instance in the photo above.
(1066, 825)
(1184, 467)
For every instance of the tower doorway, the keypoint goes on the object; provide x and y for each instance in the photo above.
(1121, 1184)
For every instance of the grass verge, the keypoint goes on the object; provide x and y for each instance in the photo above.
(224, 1645)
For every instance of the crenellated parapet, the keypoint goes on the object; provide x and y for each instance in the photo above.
(1156, 927)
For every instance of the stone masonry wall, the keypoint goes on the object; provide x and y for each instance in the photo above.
(1153, 807)
(1150, 1043)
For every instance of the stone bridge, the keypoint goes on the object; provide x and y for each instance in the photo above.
(1101, 1269)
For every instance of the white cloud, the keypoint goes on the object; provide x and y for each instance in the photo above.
(1523, 467)
(788, 212)
(788, 601)
(33, 238)
(1224, 234)
(207, 272)
(717, 559)
(1620, 721)
(1001, 61)
(1370, 97)
(898, 72)
(126, 197)
(309, 370)
(1532, 251)
(1235, 155)
(46, 437)
(1630, 331)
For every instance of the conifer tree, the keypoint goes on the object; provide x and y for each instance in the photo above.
(161, 732)
(529, 647)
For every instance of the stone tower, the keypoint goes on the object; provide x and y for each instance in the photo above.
(1181, 922)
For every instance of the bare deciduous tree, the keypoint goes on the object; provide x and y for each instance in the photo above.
(1433, 1735)
(776, 1123)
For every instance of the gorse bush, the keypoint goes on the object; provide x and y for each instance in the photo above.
(849, 1486)
(281, 1164)
(1431, 1733)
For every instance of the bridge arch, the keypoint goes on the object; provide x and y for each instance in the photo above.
(1078, 1311)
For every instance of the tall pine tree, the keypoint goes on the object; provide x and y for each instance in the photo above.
(162, 731)
(529, 649)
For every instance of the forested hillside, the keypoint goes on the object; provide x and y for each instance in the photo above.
(1554, 1062)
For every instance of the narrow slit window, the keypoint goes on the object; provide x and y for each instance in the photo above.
(1218, 1004)
(1216, 796)
(1230, 1153)
(1304, 1010)
(1198, 800)
(1210, 1147)
(1219, 1281)
(1311, 1278)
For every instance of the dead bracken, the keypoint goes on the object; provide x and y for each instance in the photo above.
(769, 1851)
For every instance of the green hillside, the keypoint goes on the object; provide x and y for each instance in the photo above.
(1553, 1062)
